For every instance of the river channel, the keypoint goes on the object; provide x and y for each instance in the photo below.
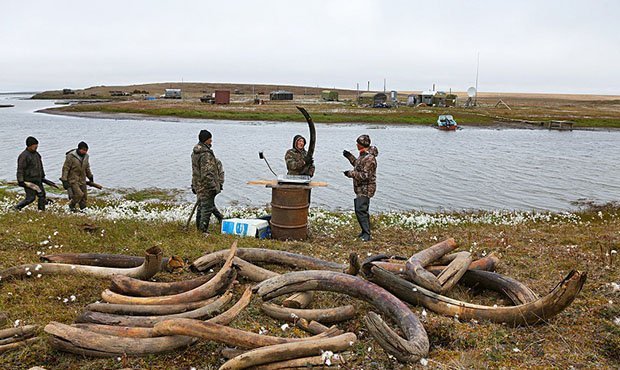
(419, 168)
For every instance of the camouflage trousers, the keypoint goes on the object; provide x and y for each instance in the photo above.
(206, 208)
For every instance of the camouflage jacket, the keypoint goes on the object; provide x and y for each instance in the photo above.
(296, 163)
(364, 173)
(30, 166)
(76, 168)
(207, 171)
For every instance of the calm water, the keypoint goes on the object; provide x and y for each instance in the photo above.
(418, 167)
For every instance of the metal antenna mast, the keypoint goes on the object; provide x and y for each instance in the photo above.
(477, 70)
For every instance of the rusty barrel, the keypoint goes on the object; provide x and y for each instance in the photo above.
(289, 211)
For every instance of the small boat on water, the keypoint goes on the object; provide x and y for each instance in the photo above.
(446, 122)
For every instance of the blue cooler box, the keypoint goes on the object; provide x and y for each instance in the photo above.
(247, 227)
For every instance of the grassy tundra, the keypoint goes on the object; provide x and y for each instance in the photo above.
(535, 248)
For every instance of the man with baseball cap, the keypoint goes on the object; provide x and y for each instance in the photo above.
(75, 171)
(364, 181)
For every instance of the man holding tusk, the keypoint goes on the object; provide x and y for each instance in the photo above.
(74, 173)
(207, 180)
(30, 169)
(298, 162)
(364, 181)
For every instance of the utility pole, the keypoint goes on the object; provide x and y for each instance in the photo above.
(368, 86)
(477, 70)
(384, 85)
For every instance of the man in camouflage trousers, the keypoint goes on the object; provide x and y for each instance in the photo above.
(30, 169)
(207, 180)
(364, 181)
(75, 171)
(297, 160)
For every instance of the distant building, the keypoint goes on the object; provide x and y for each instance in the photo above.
(372, 99)
(222, 96)
(172, 94)
(432, 99)
(67, 91)
(280, 95)
(329, 95)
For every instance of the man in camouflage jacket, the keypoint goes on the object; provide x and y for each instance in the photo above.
(297, 160)
(207, 180)
(30, 169)
(364, 181)
(75, 171)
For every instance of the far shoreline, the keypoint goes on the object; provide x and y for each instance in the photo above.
(496, 125)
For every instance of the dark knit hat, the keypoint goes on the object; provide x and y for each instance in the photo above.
(204, 135)
(31, 141)
(82, 145)
(364, 140)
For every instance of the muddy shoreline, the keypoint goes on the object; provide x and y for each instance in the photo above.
(138, 116)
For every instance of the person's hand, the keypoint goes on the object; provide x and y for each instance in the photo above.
(347, 173)
(309, 161)
(65, 184)
(21, 183)
(193, 190)
(221, 187)
(346, 153)
(92, 179)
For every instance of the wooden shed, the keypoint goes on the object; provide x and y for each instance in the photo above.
(222, 96)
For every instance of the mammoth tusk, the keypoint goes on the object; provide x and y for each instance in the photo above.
(225, 334)
(222, 279)
(324, 316)
(388, 304)
(148, 321)
(145, 310)
(151, 266)
(525, 314)
(139, 288)
(268, 256)
(414, 267)
(289, 351)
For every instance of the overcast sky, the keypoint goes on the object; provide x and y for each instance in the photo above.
(525, 46)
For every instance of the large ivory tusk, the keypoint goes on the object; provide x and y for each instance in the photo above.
(475, 277)
(148, 321)
(139, 288)
(224, 318)
(454, 271)
(320, 362)
(225, 334)
(207, 290)
(268, 256)
(414, 267)
(144, 309)
(100, 259)
(151, 266)
(289, 351)
(388, 304)
(324, 316)
(12, 335)
(526, 314)
(84, 342)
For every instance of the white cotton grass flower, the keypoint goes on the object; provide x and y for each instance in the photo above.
(72, 298)
(45, 242)
(16, 323)
(615, 287)
(423, 362)
(326, 357)
(424, 312)
(617, 321)
(516, 350)
(262, 331)
(284, 327)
